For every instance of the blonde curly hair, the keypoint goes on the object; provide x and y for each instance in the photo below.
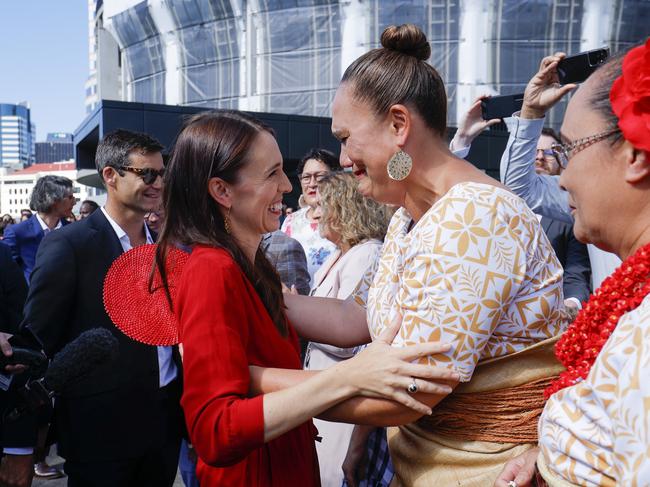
(344, 210)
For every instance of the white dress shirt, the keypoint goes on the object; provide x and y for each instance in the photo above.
(44, 226)
(542, 193)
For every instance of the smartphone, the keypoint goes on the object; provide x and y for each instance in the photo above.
(501, 106)
(577, 68)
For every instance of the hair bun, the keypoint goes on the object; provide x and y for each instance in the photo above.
(407, 39)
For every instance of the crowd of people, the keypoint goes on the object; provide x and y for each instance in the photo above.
(415, 323)
(48, 186)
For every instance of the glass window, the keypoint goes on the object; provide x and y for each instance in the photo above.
(526, 31)
(209, 42)
(219, 80)
(193, 12)
(145, 58)
(134, 24)
(149, 90)
(300, 56)
(631, 20)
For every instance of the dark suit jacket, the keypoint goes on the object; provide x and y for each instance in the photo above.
(107, 415)
(13, 291)
(24, 239)
(573, 256)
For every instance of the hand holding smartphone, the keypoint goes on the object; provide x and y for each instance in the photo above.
(501, 106)
(571, 69)
(577, 68)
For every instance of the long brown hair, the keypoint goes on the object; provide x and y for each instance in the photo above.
(213, 144)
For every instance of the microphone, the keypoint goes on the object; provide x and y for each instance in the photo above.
(80, 357)
(92, 349)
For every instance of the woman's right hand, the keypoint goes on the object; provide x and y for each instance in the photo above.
(471, 125)
(520, 470)
(543, 90)
(383, 371)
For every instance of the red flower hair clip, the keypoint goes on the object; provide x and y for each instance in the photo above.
(630, 97)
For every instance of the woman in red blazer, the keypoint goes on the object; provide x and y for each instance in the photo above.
(223, 190)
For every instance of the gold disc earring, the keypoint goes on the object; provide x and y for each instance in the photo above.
(399, 166)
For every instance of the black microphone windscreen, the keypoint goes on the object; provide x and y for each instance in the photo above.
(81, 356)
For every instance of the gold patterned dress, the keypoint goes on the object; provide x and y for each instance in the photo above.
(476, 271)
(597, 433)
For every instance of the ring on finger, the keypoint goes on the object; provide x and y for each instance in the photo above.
(413, 387)
(512, 483)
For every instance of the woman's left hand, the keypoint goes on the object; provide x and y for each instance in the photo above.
(519, 471)
(386, 372)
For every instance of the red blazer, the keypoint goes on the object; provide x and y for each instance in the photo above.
(224, 329)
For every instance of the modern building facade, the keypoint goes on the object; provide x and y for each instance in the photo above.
(16, 187)
(287, 56)
(295, 134)
(57, 147)
(17, 136)
(104, 60)
(91, 98)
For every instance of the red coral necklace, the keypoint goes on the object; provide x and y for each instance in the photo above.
(620, 293)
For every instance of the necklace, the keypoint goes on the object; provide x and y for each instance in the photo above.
(581, 343)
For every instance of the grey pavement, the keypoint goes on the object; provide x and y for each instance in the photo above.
(63, 482)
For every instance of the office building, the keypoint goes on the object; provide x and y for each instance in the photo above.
(17, 136)
(16, 186)
(57, 147)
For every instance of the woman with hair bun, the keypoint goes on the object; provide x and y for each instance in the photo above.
(464, 261)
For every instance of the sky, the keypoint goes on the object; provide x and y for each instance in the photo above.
(44, 60)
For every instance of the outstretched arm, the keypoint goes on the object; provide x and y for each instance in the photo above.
(541, 193)
(470, 126)
(359, 410)
(326, 320)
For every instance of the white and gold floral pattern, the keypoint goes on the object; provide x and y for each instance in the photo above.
(476, 271)
(598, 431)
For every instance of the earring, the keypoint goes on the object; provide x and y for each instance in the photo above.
(399, 166)
(226, 222)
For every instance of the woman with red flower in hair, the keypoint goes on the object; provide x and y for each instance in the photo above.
(594, 429)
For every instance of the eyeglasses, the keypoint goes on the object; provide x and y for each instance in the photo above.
(564, 152)
(153, 214)
(147, 174)
(305, 178)
(547, 153)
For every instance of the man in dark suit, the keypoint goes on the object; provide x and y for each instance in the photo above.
(574, 257)
(16, 437)
(121, 425)
(53, 200)
(13, 291)
(572, 254)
